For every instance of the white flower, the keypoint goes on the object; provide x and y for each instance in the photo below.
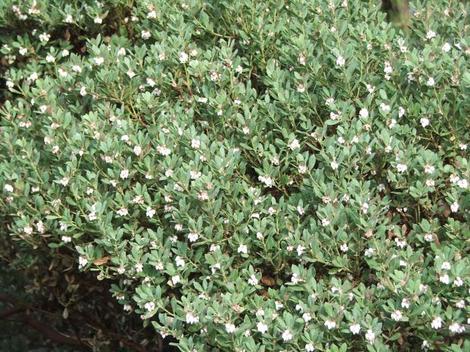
(429, 237)
(355, 329)
(405, 303)
(55, 149)
(344, 248)
(149, 306)
(364, 208)
(460, 304)
(123, 212)
(462, 183)
(458, 282)
(76, 68)
(179, 262)
(242, 249)
(369, 252)
(401, 168)
(300, 250)
(183, 57)
(262, 327)
(64, 181)
(175, 279)
(401, 111)
(334, 165)
(83, 91)
(66, 239)
(44, 37)
(388, 68)
(430, 82)
(28, 230)
(50, 58)
(98, 20)
(306, 317)
(454, 207)
(150, 212)
(62, 73)
(330, 324)
(152, 14)
(370, 336)
(215, 267)
(330, 101)
(82, 262)
(253, 280)
(8, 188)
(294, 144)
(446, 47)
(136, 200)
(430, 35)
(139, 267)
(230, 328)
(195, 143)
(163, 150)
(436, 323)
(92, 216)
(145, 35)
(193, 236)
(396, 315)
(444, 279)
(300, 88)
(295, 279)
(98, 60)
(287, 335)
(429, 169)
(191, 318)
(364, 113)
(121, 270)
(454, 179)
(385, 107)
(445, 266)
(309, 347)
(268, 181)
(370, 88)
(340, 61)
(334, 116)
(68, 19)
(456, 328)
(137, 150)
(124, 174)
(150, 82)
(424, 122)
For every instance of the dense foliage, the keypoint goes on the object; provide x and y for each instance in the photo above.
(246, 175)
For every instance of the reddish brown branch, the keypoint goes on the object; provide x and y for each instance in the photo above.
(9, 312)
(28, 319)
(49, 332)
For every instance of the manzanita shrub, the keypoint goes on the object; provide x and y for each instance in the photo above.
(249, 175)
